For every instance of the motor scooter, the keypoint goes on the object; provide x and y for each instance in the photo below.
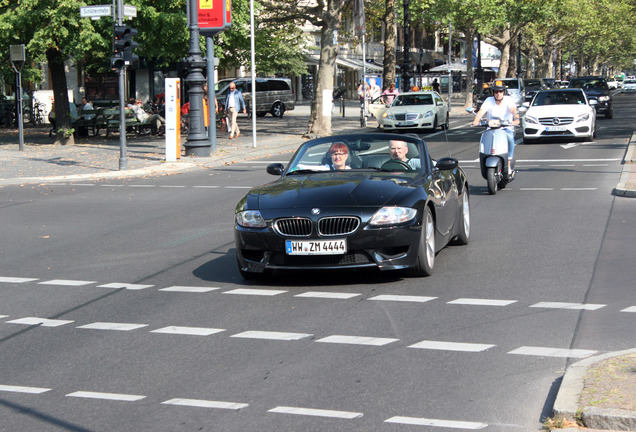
(493, 154)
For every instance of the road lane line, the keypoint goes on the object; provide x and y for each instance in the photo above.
(112, 326)
(106, 396)
(257, 292)
(133, 287)
(65, 282)
(192, 331)
(572, 306)
(420, 421)
(44, 322)
(316, 412)
(629, 309)
(199, 403)
(269, 335)
(451, 346)
(552, 352)
(357, 340)
(16, 280)
(329, 295)
(403, 298)
(482, 302)
(20, 389)
(190, 289)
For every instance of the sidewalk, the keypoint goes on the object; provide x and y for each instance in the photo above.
(97, 158)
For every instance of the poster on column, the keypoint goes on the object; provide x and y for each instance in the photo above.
(173, 119)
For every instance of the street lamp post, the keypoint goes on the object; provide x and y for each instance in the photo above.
(197, 143)
(406, 64)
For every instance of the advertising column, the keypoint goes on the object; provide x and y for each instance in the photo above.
(173, 119)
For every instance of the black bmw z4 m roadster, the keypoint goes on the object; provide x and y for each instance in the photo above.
(354, 201)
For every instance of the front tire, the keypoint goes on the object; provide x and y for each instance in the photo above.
(426, 249)
(492, 180)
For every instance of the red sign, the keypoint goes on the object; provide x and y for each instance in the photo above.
(213, 15)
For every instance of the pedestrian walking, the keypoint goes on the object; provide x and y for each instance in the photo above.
(233, 104)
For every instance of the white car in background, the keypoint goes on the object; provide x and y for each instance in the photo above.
(559, 113)
(629, 85)
(415, 110)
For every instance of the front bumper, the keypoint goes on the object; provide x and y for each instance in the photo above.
(389, 124)
(386, 249)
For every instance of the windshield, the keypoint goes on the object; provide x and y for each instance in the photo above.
(533, 84)
(559, 98)
(589, 84)
(413, 99)
(356, 153)
(511, 84)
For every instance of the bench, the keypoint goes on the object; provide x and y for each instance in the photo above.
(87, 121)
(112, 117)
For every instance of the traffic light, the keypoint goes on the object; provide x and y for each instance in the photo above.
(123, 47)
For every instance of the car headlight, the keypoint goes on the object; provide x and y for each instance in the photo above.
(392, 216)
(603, 98)
(427, 114)
(531, 120)
(250, 219)
(388, 116)
(583, 117)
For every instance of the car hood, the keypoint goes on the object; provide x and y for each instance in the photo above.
(558, 110)
(596, 92)
(334, 189)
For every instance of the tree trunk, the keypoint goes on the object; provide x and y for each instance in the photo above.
(320, 119)
(60, 97)
(390, 41)
(470, 71)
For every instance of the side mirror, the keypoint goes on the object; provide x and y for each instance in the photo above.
(593, 102)
(275, 169)
(470, 110)
(445, 164)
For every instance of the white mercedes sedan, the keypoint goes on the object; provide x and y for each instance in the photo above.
(415, 110)
(559, 113)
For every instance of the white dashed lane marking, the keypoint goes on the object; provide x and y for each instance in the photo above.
(190, 289)
(255, 292)
(327, 295)
(451, 346)
(44, 322)
(106, 396)
(198, 403)
(112, 326)
(573, 306)
(357, 340)
(20, 389)
(192, 331)
(16, 280)
(552, 352)
(125, 286)
(65, 282)
(316, 412)
(629, 309)
(415, 421)
(481, 302)
(403, 298)
(271, 335)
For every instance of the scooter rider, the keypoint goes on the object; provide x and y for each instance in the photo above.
(503, 107)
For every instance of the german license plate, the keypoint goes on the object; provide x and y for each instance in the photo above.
(405, 123)
(316, 247)
(556, 128)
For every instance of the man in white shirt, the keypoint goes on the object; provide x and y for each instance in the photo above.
(233, 104)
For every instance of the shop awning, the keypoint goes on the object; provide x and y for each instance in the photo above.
(357, 65)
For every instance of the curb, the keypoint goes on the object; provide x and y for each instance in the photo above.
(622, 188)
(567, 400)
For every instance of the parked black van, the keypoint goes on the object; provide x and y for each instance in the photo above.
(273, 95)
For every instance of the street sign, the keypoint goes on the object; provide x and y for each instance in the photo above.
(213, 16)
(95, 11)
(130, 11)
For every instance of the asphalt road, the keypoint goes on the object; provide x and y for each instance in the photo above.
(121, 307)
